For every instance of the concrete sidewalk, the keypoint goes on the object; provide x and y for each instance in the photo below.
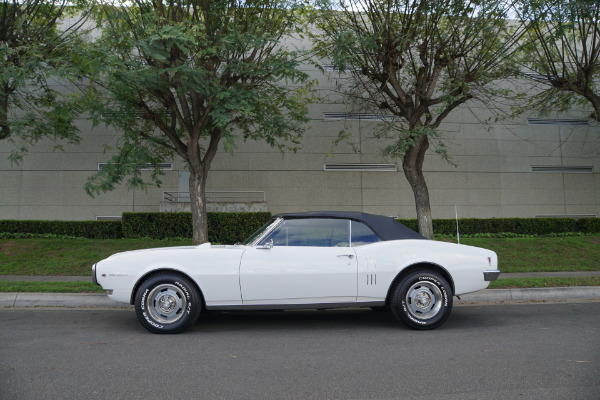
(98, 300)
(70, 300)
(13, 300)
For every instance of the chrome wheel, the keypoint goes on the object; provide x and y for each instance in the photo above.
(167, 303)
(424, 300)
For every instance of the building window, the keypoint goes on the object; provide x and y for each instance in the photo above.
(576, 216)
(558, 122)
(364, 167)
(336, 68)
(167, 166)
(563, 169)
(108, 218)
(336, 116)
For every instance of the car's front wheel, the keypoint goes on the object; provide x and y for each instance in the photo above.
(422, 300)
(167, 303)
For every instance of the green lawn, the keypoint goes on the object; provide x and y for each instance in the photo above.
(76, 256)
(543, 254)
(65, 256)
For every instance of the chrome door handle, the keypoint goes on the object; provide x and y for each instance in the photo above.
(346, 255)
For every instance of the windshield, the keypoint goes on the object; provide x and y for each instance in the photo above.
(262, 230)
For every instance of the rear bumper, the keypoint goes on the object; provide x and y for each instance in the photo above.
(491, 275)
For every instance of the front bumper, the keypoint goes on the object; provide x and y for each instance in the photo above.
(94, 279)
(491, 275)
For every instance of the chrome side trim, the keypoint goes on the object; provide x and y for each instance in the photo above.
(491, 275)
(262, 307)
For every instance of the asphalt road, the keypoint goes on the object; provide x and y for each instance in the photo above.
(530, 351)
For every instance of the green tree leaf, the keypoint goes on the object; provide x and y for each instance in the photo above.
(185, 78)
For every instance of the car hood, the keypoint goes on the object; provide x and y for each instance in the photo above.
(161, 249)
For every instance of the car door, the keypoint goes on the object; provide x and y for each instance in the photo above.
(303, 261)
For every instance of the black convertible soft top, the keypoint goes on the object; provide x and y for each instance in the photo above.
(386, 228)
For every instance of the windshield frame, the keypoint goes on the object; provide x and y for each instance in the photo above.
(263, 231)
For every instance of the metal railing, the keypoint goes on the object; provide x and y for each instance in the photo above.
(218, 196)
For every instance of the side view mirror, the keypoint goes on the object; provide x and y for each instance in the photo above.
(266, 246)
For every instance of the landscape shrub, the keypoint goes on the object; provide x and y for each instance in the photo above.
(86, 229)
(225, 228)
(409, 223)
(156, 225)
(229, 228)
(588, 225)
(522, 226)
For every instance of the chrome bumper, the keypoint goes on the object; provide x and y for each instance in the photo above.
(491, 275)
(94, 280)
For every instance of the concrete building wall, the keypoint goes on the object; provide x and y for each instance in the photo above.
(493, 175)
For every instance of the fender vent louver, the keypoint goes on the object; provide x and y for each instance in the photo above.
(371, 279)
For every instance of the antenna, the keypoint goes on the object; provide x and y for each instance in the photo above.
(457, 232)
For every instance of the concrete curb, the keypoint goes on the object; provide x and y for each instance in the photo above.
(83, 300)
(28, 300)
(531, 294)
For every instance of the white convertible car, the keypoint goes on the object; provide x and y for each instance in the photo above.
(312, 260)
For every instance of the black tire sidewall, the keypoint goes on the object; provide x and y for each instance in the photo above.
(400, 308)
(194, 304)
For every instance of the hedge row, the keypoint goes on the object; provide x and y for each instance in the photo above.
(235, 227)
(525, 226)
(588, 225)
(222, 227)
(87, 229)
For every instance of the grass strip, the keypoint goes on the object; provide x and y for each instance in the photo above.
(49, 287)
(521, 283)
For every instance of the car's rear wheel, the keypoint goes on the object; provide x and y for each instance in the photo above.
(167, 303)
(422, 300)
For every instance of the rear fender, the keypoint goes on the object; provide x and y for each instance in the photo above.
(420, 266)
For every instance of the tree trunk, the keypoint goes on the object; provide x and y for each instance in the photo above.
(594, 99)
(4, 128)
(413, 170)
(198, 202)
(199, 169)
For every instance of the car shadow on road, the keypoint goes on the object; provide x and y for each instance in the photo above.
(461, 318)
(296, 319)
(307, 320)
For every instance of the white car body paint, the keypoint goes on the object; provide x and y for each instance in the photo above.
(298, 275)
(248, 275)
